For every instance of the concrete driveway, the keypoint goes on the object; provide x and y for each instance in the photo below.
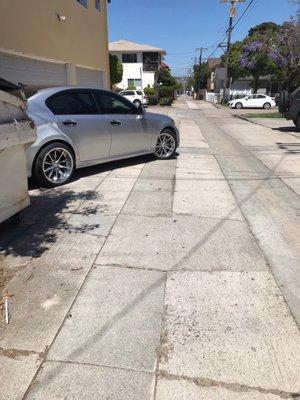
(174, 280)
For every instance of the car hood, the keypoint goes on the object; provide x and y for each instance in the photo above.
(159, 117)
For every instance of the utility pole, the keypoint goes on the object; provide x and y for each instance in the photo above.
(201, 49)
(229, 34)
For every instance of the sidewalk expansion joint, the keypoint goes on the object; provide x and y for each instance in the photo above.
(50, 360)
(233, 387)
(137, 268)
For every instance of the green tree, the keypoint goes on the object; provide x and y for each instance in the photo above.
(164, 77)
(265, 27)
(235, 70)
(116, 70)
(200, 76)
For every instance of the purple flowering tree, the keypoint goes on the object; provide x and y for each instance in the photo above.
(255, 57)
(285, 53)
(269, 49)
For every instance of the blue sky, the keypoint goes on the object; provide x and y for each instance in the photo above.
(182, 26)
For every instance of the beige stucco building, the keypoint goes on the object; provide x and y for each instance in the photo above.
(54, 42)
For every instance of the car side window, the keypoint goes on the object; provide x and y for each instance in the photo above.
(139, 92)
(112, 104)
(72, 103)
(261, 96)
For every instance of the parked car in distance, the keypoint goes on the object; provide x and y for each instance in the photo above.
(79, 127)
(289, 105)
(137, 97)
(253, 101)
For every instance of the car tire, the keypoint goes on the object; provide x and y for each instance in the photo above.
(297, 122)
(165, 145)
(239, 106)
(283, 101)
(137, 103)
(267, 106)
(46, 169)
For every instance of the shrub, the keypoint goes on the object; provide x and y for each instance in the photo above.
(152, 100)
(148, 90)
(165, 101)
(165, 91)
(131, 87)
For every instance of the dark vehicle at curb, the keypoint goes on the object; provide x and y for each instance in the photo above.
(289, 105)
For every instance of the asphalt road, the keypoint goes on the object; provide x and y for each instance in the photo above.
(175, 280)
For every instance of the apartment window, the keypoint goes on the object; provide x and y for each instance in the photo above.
(97, 5)
(83, 2)
(129, 58)
(137, 83)
(151, 61)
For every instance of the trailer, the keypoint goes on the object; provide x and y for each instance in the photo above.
(17, 132)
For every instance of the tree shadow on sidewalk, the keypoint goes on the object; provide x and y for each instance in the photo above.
(41, 223)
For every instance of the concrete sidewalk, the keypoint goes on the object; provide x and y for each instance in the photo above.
(146, 279)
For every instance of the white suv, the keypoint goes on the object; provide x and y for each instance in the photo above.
(253, 101)
(137, 97)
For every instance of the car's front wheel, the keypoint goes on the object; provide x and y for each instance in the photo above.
(165, 145)
(239, 105)
(267, 106)
(54, 165)
(137, 103)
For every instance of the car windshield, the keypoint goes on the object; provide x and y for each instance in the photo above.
(296, 93)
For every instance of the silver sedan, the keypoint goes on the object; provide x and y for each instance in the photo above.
(79, 127)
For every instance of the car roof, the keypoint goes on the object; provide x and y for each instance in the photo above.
(43, 94)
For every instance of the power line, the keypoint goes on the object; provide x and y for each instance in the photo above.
(246, 9)
(237, 22)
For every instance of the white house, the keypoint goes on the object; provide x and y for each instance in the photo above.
(140, 62)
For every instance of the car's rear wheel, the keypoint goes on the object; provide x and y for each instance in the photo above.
(267, 106)
(54, 165)
(239, 105)
(165, 145)
(283, 101)
(137, 103)
(297, 122)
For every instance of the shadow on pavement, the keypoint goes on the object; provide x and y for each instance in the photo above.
(291, 148)
(39, 224)
(100, 168)
(287, 129)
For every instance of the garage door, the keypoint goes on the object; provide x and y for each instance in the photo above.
(89, 77)
(32, 72)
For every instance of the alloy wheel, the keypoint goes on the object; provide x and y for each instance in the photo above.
(57, 165)
(165, 145)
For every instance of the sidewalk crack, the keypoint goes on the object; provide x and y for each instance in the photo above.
(233, 387)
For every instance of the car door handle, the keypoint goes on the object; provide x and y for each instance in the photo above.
(70, 122)
(116, 123)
